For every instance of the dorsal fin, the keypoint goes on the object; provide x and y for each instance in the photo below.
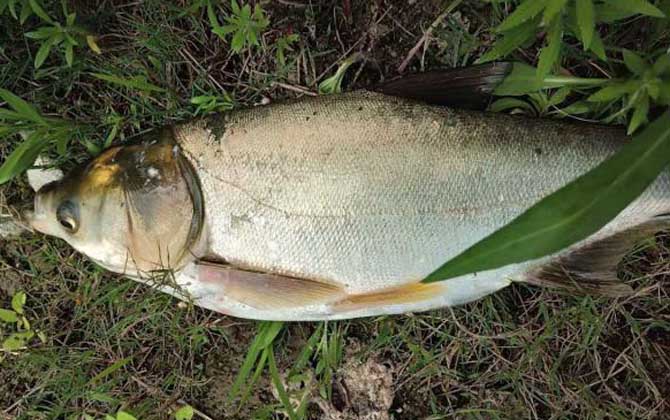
(464, 87)
(592, 268)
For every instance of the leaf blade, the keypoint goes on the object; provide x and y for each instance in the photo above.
(572, 213)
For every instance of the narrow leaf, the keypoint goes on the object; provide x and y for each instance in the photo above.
(634, 62)
(526, 11)
(39, 11)
(639, 115)
(575, 211)
(92, 44)
(511, 41)
(553, 8)
(642, 7)
(614, 91)
(43, 52)
(585, 21)
(550, 53)
(22, 107)
(22, 157)
(597, 46)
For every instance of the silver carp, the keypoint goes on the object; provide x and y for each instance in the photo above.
(337, 206)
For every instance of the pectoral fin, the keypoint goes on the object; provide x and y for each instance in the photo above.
(465, 87)
(404, 294)
(267, 291)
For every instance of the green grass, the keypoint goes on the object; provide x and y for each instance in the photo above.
(112, 344)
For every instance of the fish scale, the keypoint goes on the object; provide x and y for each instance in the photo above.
(370, 191)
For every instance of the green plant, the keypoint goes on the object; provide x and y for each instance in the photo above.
(212, 103)
(559, 18)
(56, 35)
(245, 26)
(39, 133)
(16, 321)
(333, 84)
(284, 44)
(648, 83)
(27, 8)
(121, 415)
(184, 413)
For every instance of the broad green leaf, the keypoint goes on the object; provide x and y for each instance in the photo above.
(26, 11)
(22, 107)
(642, 7)
(550, 54)
(22, 157)
(42, 33)
(553, 8)
(184, 413)
(634, 62)
(8, 316)
(575, 211)
(135, 82)
(585, 21)
(510, 41)
(523, 13)
(559, 96)
(18, 300)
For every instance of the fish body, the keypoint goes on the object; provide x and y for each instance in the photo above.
(337, 206)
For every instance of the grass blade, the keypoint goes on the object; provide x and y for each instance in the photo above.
(575, 211)
(22, 157)
(586, 21)
(136, 82)
(22, 107)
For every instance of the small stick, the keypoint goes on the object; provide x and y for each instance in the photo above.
(424, 38)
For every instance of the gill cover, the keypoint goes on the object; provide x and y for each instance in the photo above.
(133, 209)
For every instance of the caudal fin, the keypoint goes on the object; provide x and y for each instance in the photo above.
(592, 268)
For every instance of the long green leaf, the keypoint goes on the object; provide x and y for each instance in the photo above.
(550, 53)
(586, 21)
(642, 7)
(510, 41)
(22, 107)
(22, 157)
(575, 211)
(526, 11)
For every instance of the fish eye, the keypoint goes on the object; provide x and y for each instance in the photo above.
(68, 216)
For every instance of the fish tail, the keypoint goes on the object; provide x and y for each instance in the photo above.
(592, 268)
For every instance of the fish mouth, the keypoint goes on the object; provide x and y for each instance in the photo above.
(35, 219)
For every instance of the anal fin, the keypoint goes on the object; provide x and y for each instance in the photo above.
(592, 268)
(265, 290)
(407, 293)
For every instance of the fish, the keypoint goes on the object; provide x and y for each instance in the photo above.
(337, 206)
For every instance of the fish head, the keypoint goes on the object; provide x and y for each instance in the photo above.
(133, 209)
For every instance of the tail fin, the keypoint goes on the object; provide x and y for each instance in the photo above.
(465, 87)
(592, 268)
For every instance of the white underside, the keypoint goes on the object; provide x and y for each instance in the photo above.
(453, 292)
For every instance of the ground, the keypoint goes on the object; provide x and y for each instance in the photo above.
(111, 344)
